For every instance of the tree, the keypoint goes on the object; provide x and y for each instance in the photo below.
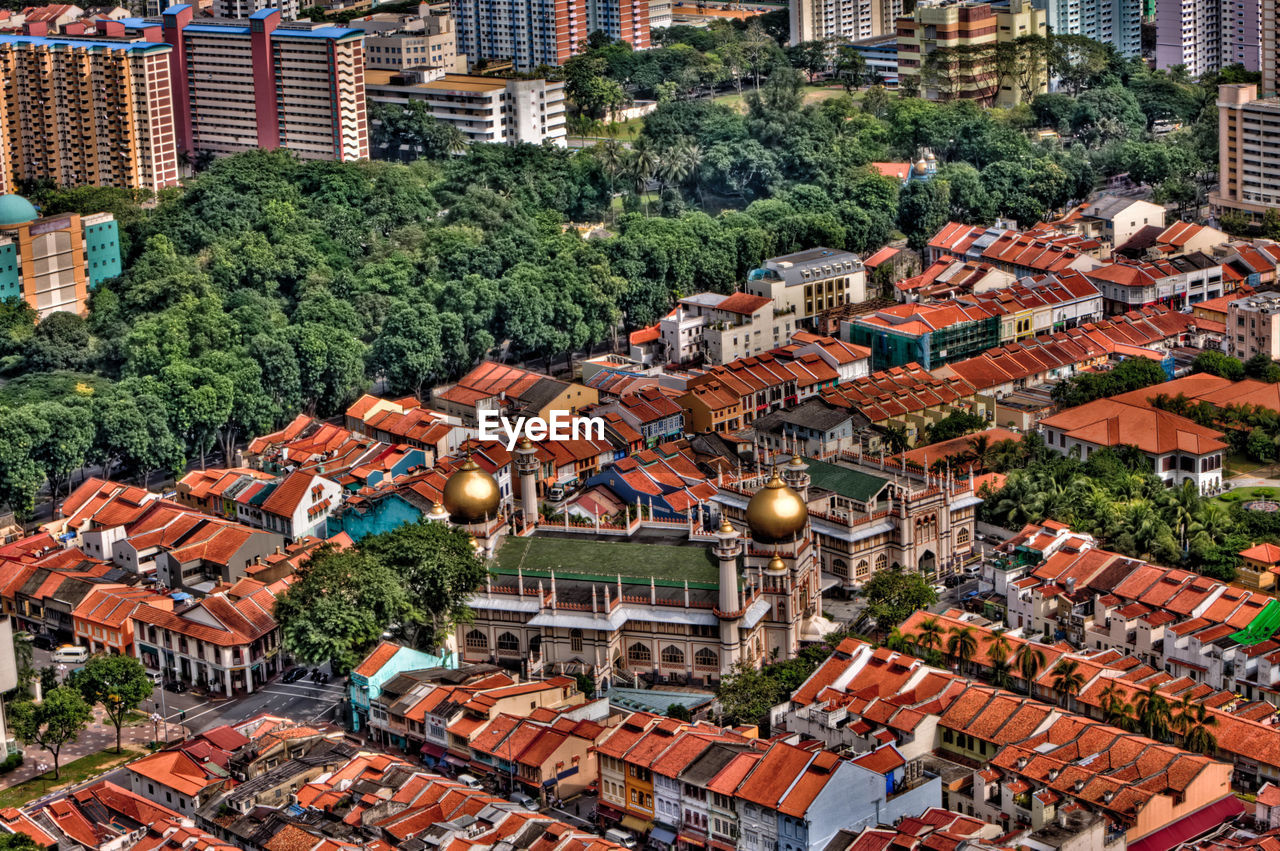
(1067, 680)
(119, 683)
(1029, 660)
(53, 723)
(439, 570)
(1115, 709)
(409, 131)
(812, 57)
(680, 712)
(893, 594)
(923, 208)
(930, 637)
(1263, 368)
(851, 69)
(18, 842)
(961, 645)
(746, 695)
(1219, 364)
(1196, 724)
(339, 608)
(1153, 712)
(998, 651)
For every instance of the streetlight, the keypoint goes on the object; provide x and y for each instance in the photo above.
(155, 726)
(43, 768)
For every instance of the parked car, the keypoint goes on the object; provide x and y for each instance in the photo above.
(71, 653)
(43, 642)
(294, 674)
(175, 686)
(621, 837)
(156, 677)
(469, 781)
(523, 800)
(953, 581)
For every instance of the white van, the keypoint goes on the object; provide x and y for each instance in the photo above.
(621, 837)
(468, 781)
(71, 653)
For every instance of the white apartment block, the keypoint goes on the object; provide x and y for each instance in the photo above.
(238, 9)
(1114, 22)
(718, 328)
(394, 42)
(485, 109)
(1253, 326)
(846, 20)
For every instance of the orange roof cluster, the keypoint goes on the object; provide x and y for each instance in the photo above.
(403, 803)
(1043, 250)
(921, 319)
(101, 504)
(924, 456)
(897, 391)
(935, 829)
(215, 619)
(316, 446)
(105, 814)
(946, 277)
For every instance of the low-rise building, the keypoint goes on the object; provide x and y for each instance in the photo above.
(483, 109)
(803, 284)
(53, 263)
(1253, 326)
(383, 663)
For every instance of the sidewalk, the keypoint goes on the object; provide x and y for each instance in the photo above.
(98, 736)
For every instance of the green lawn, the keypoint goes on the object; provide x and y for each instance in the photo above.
(76, 771)
(1238, 463)
(1246, 494)
(812, 93)
(606, 559)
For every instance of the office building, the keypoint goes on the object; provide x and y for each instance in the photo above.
(393, 42)
(530, 33)
(805, 283)
(1253, 326)
(845, 20)
(86, 112)
(53, 262)
(241, 9)
(969, 33)
(485, 109)
(1248, 158)
(1114, 22)
(261, 83)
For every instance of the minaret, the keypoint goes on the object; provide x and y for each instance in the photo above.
(526, 463)
(728, 549)
(796, 475)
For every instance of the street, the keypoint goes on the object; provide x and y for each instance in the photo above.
(303, 701)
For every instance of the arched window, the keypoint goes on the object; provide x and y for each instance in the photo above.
(476, 640)
(862, 568)
(705, 658)
(840, 567)
(882, 561)
(575, 640)
(639, 653)
(535, 644)
(962, 537)
(672, 655)
(508, 642)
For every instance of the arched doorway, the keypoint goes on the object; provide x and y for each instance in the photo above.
(928, 564)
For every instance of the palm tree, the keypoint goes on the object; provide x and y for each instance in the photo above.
(640, 167)
(896, 640)
(961, 645)
(998, 653)
(979, 446)
(930, 636)
(1183, 715)
(1115, 708)
(1198, 737)
(1029, 660)
(1067, 680)
(610, 154)
(1152, 711)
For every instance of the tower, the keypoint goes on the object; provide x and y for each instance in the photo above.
(796, 475)
(779, 519)
(526, 463)
(727, 550)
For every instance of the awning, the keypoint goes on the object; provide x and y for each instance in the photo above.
(661, 834)
(693, 840)
(456, 761)
(432, 750)
(722, 846)
(606, 811)
(636, 825)
(1189, 827)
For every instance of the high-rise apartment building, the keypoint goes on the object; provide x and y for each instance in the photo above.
(530, 33)
(1269, 55)
(964, 35)
(1248, 151)
(261, 83)
(52, 262)
(1207, 35)
(86, 112)
(1114, 22)
(846, 20)
(240, 9)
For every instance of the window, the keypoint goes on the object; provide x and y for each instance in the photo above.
(575, 640)
(672, 655)
(639, 653)
(706, 658)
(508, 643)
(476, 640)
(882, 561)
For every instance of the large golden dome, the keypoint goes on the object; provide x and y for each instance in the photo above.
(471, 495)
(776, 513)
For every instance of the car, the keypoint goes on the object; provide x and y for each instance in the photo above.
(555, 493)
(294, 674)
(175, 686)
(42, 642)
(71, 653)
(469, 781)
(156, 677)
(523, 800)
(940, 590)
(969, 595)
(953, 581)
(592, 788)
(972, 569)
(621, 837)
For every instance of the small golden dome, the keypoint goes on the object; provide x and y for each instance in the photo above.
(776, 563)
(524, 444)
(471, 495)
(776, 513)
(437, 511)
(726, 528)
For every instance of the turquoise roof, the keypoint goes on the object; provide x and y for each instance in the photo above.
(657, 701)
(16, 210)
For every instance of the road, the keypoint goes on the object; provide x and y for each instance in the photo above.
(303, 701)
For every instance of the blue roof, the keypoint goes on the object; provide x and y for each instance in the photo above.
(88, 44)
(656, 700)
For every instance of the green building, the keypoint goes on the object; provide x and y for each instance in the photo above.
(930, 335)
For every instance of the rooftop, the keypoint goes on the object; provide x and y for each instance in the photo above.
(605, 560)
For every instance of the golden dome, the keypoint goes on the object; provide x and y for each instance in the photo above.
(471, 495)
(726, 528)
(437, 511)
(776, 513)
(525, 444)
(776, 563)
